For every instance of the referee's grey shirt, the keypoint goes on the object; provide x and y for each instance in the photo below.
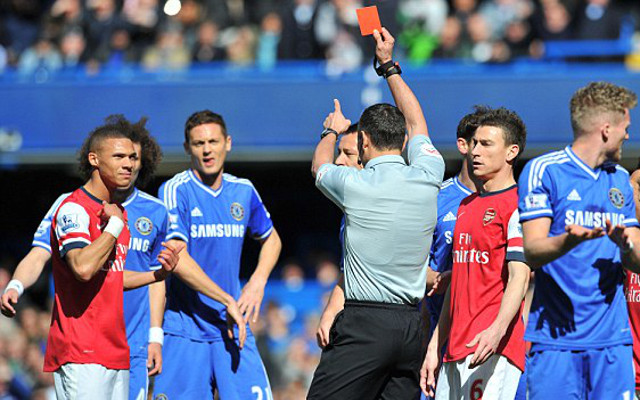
(390, 213)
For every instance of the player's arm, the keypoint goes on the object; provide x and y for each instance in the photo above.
(25, 275)
(190, 273)
(628, 241)
(157, 296)
(168, 259)
(489, 339)
(335, 304)
(541, 249)
(253, 292)
(431, 363)
(337, 123)
(403, 96)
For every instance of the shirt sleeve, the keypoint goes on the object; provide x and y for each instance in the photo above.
(260, 224)
(72, 228)
(178, 223)
(515, 249)
(332, 179)
(156, 246)
(423, 154)
(535, 192)
(42, 237)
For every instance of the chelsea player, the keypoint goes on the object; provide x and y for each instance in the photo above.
(568, 201)
(211, 212)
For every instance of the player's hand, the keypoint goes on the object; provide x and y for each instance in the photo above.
(324, 326)
(384, 45)
(109, 210)
(440, 283)
(487, 341)
(154, 359)
(617, 234)
(251, 299)
(234, 317)
(579, 234)
(429, 373)
(9, 299)
(170, 255)
(336, 120)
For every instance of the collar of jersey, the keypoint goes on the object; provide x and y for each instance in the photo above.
(592, 173)
(214, 193)
(132, 196)
(385, 159)
(461, 187)
(89, 195)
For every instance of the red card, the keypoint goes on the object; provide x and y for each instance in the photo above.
(369, 20)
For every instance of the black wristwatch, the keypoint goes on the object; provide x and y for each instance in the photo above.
(387, 69)
(328, 131)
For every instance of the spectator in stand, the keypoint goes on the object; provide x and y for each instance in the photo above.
(41, 59)
(207, 47)
(268, 40)
(242, 43)
(64, 16)
(598, 19)
(142, 18)
(169, 52)
(102, 20)
(298, 40)
(72, 47)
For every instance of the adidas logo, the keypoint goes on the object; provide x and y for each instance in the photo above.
(574, 196)
(196, 212)
(449, 217)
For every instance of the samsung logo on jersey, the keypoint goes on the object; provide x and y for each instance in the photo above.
(217, 230)
(592, 219)
(137, 244)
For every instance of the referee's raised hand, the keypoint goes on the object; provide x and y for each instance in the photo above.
(384, 45)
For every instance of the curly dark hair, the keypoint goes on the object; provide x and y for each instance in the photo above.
(117, 126)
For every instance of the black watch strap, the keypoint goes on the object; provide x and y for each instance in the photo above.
(386, 69)
(328, 131)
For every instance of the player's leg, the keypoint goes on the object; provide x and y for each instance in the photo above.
(611, 373)
(239, 374)
(555, 374)
(498, 379)
(449, 382)
(138, 379)
(91, 381)
(185, 370)
(355, 364)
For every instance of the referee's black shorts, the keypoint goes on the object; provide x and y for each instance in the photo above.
(375, 352)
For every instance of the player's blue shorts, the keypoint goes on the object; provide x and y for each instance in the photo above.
(193, 369)
(586, 374)
(521, 394)
(138, 378)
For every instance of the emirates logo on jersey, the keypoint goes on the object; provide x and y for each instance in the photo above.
(489, 215)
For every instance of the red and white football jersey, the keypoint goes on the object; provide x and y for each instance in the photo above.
(632, 294)
(87, 324)
(487, 236)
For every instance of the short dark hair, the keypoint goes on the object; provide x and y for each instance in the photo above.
(203, 117)
(470, 122)
(513, 128)
(385, 126)
(353, 128)
(117, 126)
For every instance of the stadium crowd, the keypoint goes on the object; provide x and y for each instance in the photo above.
(99, 35)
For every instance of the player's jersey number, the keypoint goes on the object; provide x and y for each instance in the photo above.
(261, 394)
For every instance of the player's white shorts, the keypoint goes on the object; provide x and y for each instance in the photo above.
(91, 381)
(495, 379)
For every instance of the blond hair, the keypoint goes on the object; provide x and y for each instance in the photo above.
(597, 99)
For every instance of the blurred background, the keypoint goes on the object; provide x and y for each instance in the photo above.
(271, 68)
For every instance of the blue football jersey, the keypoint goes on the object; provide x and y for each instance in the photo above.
(449, 198)
(579, 301)
(213, 223)
(147, 221)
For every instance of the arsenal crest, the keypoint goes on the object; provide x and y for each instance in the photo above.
(489, 215)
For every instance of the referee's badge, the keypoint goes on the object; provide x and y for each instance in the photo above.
(144, 226)
(489, 215)
(616, 197)
(237, 211)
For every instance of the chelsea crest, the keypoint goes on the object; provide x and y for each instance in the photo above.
(144, 225)
(237, 211)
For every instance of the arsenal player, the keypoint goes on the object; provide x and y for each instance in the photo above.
(87, 345)
(485, 353)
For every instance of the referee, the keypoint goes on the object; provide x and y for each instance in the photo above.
(375, 343)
